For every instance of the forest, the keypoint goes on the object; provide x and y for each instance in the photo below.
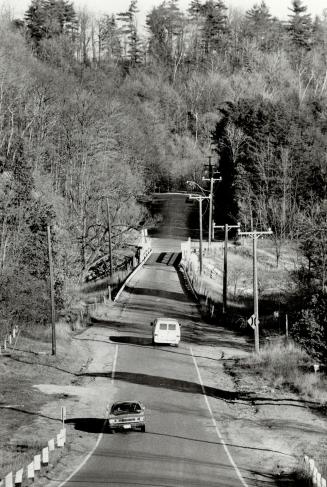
(97, 108)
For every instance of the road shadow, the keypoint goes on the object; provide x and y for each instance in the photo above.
(89, 425)
(282, 479)
(158, 293)
(195, 388)
(132, 340)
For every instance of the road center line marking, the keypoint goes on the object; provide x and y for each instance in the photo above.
(215, 424)
(100, 435)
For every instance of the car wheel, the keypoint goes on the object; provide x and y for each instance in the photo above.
(112, 431)
(143, 428)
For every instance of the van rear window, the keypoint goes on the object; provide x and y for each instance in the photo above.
(163, 326)
(171, 326)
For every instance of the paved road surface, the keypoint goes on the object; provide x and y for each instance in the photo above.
(181, 446)
(180, 216)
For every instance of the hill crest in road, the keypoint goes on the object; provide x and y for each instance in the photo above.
(180, 216)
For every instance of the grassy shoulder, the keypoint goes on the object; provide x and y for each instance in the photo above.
(288, 398)
(287, 394)
(24, 429)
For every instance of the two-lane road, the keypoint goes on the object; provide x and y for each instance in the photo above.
(182, 446)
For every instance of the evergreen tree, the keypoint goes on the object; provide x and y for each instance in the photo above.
(129, 30)
(195, 11)
(300, 26)
(215, 25)
(109, 42)
(166, 26)
(46, 19)
(259, 23)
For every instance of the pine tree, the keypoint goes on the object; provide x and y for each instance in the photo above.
(258, 22)
(196, 16)
(46, 19)
(215, 25)
(166, 26)
(129, 30)
(109, 42)
(300, 26)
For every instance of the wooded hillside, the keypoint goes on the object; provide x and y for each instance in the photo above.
(93, 108)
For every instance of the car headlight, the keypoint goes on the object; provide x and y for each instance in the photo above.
(141, 418)
(112, 421)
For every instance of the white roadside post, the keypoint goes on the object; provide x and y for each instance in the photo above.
(51, 445)
(30, 471)
(19, 477)
(63, 435)
(9, 480)
(45, 456)
(37, 463)
(63, 415)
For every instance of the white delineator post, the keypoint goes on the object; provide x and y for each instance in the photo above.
(45, 456)
(9, 480)
(37, 463)
(30, 471)
(51, 445)
(19, 477)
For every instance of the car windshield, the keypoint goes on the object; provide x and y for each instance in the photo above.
(126, 408)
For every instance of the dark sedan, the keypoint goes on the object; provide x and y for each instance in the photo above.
(127, 415)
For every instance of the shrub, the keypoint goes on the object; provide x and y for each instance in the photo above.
(310, 326)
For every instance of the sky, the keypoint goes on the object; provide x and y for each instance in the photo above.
(278, 8)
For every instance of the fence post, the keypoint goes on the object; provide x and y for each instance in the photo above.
(51, 445)
(30, 471)
(9, 480)
(314, 475)
(37, 463)
(45, 455)
(19, 477)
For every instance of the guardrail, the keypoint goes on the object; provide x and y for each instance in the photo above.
(145, 256)
(40, 461)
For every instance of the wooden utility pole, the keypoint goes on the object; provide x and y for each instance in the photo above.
(226, 229)
(212, 181)
(200, 226)
(200, 199)
(53, 312)
(255, 235)
(255, 295)
(109, 237)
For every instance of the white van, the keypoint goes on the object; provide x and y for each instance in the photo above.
(166, 330)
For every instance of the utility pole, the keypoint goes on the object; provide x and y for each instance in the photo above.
(212, 181)
(200, 199)
(226, 228)
(53, 312)
(255, 235)
(109, 237)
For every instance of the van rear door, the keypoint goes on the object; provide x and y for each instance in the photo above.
(171, 332)
(162, 333)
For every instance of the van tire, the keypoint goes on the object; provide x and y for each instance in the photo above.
(143, 428)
